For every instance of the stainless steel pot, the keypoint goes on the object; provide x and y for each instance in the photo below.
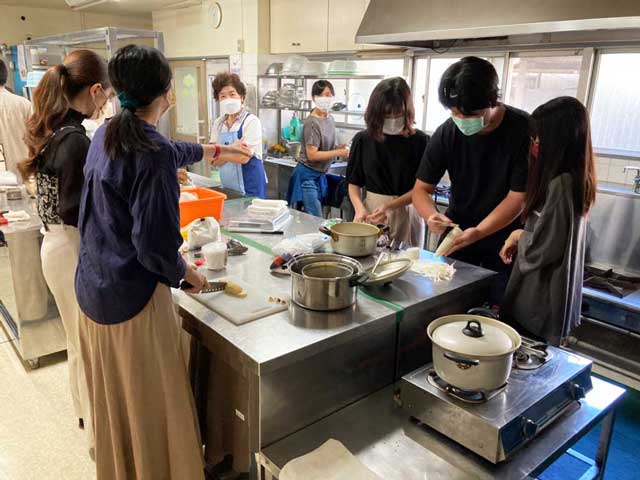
(473, 352)
(354, 239)
(293, 149)
(324, 281)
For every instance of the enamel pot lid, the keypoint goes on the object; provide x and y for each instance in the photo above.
(474, 335)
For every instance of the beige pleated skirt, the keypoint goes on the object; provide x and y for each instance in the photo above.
(143, 409)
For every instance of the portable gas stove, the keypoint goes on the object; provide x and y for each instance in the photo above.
(545, 382)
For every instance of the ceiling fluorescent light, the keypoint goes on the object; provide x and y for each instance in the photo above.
(181, 4)
(82, 4)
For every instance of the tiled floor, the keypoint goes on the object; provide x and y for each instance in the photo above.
(39, 435)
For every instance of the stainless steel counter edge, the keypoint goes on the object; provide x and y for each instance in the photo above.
(274, 342)
(615, 189)
(292, 162)
(630, 302)
(34, 223)
(394, 447)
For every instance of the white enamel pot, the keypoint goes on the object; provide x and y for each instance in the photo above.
(473, 352)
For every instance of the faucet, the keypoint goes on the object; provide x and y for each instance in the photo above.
(636, 180)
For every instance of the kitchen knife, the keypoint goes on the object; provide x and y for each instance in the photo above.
(211, 288)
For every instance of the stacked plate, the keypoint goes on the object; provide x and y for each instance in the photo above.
(343, 67)
(294, 64)
(318, 69)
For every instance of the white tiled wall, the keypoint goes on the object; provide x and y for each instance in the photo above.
(611, 170)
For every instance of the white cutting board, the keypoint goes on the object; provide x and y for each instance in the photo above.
(242, 310)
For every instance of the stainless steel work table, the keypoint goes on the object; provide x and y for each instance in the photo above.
(383, 437)
(27, 308)
(417, 299)
(291, 369)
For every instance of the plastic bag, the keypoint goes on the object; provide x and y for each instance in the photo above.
(302, 244)
(200, 232)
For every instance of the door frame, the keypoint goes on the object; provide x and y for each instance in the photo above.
(203, 111)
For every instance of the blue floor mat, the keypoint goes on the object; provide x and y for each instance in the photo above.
(624, 452)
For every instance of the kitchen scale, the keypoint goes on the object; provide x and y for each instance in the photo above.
(545, 382)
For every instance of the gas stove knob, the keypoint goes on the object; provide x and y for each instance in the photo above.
(529, 428)
(577, 391)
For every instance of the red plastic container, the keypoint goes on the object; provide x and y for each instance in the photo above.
(209, 204)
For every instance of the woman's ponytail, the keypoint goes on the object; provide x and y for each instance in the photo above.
(59, 85)
(50, 106)
(125, 134)
(139, 75)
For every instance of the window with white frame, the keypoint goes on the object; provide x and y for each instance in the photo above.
(419, 86)
(423, 94)
(615, 105)
(534, 80)
(436, 113)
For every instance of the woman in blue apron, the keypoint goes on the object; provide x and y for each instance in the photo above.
(237, 123)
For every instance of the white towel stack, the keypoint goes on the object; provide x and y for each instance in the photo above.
(8, 179)
(267, 209)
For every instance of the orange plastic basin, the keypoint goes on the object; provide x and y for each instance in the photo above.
(209, 204)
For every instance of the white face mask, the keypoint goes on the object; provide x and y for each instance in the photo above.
(393, 126)
(324, 103)
(230, 106)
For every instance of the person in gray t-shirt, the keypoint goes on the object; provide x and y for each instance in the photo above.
(308, 183)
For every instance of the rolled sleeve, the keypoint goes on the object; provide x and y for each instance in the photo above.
(312, 134)
(434, 160)
(156, 223)
(187, 153)
(252, 135)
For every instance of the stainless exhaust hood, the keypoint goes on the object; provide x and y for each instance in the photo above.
(449, 23)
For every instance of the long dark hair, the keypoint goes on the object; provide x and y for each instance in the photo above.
(390, 96)
(140, 75)
(59, 85)
(562, 127)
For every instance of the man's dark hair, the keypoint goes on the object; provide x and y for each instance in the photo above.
(4, 73)
(469, 85)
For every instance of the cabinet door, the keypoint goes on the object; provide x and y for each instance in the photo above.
(299, 26)
(344, 20)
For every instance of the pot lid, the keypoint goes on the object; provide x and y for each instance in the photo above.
(474, 336)
(388, 271)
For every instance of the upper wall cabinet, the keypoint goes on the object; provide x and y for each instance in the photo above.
(299, 26)
(344, 20)
(307, 26)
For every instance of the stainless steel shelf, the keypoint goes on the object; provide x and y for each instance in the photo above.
(327, 76)
(90, 36)
(335, 112)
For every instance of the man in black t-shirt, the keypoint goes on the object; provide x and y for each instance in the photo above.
(485, 147)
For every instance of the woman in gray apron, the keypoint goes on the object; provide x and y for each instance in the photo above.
(237, 123)
(544, 294)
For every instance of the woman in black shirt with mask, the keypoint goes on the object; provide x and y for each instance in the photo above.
(384, 160)
(68, 93)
